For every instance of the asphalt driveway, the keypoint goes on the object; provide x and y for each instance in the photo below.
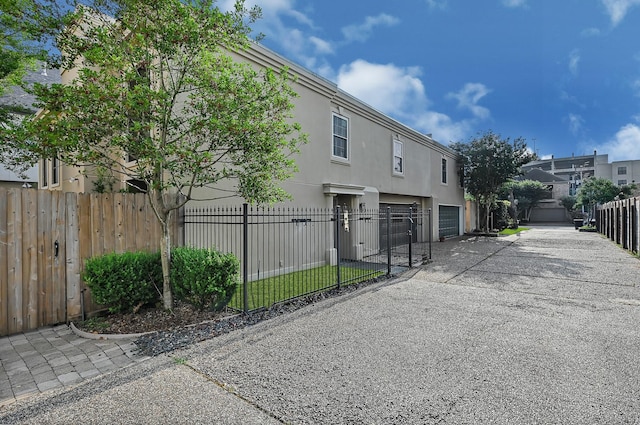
(536, 328)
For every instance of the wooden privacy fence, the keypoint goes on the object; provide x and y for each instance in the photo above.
(620, 222)
(45, 238)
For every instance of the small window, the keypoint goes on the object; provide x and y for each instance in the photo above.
(622, 170)
(340, 137)
(45, 173)
(444, 170)
(622, 182)
(136, 186)
(55, 171)
(398, 158)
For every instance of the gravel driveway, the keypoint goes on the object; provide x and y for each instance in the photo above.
(537, 328)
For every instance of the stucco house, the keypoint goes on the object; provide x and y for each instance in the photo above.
(550, 209)
(357, 157)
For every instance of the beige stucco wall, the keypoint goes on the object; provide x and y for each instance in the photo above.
(370, 160)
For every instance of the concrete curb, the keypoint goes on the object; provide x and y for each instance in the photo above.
(89, 335)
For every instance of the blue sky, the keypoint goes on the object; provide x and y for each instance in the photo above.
(563, 74)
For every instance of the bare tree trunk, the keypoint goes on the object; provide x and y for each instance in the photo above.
(165, 258)
(488, 212)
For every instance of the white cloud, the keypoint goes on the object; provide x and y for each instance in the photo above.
(575, 123)
(625, 145)
(385, 87)
(514, 3)
(574, 61)
(469, 97)
(617, 9)
(362, 32)
(297, 44)
(442, 128)
(323, 47)
(400, 93)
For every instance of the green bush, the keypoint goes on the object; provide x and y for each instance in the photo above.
(124, 281)
(205, 278)
(501, 215)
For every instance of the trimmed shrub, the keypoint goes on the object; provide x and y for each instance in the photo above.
(124, 282)
(205, 278)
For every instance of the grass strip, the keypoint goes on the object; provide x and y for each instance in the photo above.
(268, 291)
(513, 231)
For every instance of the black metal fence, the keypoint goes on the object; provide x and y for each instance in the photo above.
(287, 253)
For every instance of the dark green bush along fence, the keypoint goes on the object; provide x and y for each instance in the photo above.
(287, 253)
(124, 282)
(620, 222)
(205, 278)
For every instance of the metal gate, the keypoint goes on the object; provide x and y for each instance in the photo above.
(400, 225)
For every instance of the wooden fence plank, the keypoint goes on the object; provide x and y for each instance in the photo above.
(44, 257)
(119, 233)
(86, 246)
(72, 270)
(129, 223)
(97, 226)
(30, 258)
(4, 271)
(141, 236)
(14, 260)
(108, 223)
(61, 258)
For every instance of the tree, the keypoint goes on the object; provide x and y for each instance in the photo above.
(529, 193)
(486, 163)
(157, 83)
(596, 190)
(629, 191)
(569, 204)
(26, 28)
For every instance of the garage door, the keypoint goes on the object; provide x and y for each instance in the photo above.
(449, 221)
(542, 215)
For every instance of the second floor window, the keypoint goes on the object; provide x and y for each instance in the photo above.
(444, 170)
(55, 171)
(340, 146)
(622, 170)
(398, 158)
(45, 173)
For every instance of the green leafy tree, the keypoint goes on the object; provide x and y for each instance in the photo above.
(569, 204)
(157, 83)
(629, 191)
(596, 190)
(529, 193)
(486, 163)
(27, 30)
